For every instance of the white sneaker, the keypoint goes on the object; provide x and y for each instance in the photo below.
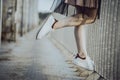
(84, 63)
(47, 27)
(90, 63)
(80, 62)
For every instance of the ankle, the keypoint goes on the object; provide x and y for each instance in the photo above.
(54, 27)
(80, 56)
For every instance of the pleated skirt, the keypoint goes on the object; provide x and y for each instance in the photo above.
(83, 3)
(81, 6)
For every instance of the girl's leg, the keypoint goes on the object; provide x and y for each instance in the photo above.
(79, 41)
(71, 21)
(75, 21)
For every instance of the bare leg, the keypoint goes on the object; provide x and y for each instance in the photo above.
(78, 31)
(77, 21)
(79, 41)
(69, 22)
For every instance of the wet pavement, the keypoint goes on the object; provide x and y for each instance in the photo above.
(32, 59)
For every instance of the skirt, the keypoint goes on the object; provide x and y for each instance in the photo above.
(83, 3)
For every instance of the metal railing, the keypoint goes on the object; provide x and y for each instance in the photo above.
(103, 40)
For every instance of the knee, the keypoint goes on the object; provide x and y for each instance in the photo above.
(74, 19)
(91, 20)
(77, 17)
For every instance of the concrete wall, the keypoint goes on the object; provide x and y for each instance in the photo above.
(18, 18)
(102, 40)
(33, 14)
(26, 16)
(6, 4)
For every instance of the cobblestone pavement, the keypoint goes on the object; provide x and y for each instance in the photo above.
(32, 59)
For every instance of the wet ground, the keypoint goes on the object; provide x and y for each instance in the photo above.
(32, 59)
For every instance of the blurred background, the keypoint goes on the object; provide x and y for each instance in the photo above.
(102, 38)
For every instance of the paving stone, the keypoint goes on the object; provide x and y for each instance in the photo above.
(36, 60)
